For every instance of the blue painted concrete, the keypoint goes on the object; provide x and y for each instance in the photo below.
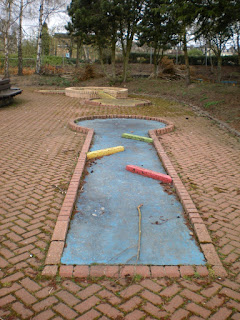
(105, 227)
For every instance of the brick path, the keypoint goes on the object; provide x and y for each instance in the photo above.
(37, 157)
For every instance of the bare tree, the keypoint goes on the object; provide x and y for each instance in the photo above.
(46, 9)
(39, 38)
(20, 59)
(6, 24)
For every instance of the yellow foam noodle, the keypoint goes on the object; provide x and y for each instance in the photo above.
(104, 152)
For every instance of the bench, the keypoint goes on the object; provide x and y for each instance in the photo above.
(7, 93)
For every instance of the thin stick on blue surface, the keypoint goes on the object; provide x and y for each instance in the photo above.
(139, 231)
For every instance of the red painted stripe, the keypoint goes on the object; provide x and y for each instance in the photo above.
(149, 173)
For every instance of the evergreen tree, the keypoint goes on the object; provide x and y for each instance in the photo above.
(45, 40)
(157, 29)
(215, 23)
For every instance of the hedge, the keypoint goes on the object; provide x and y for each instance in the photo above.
(136, 57)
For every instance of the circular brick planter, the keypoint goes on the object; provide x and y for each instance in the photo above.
(92, 92)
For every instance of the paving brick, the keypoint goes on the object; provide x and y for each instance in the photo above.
(13, 278)
(30, 285)
(186, 271)
(151, 285)
(6, 300)
(152, 297)
(221, 314)
(45, 292)
(67, 297)
(157, 271)
(202, 233)
(3, 263)
(109, 296)
(131, 304)
(192, 296)
(211, 254)
(65, 311)
(71, 286)
(50, 271)
(194, 308)
(202, 271)
(180, 314)
(190, 285)
(233, 305)
(90, 315)
(135, 315)
(14, 287)
(87, 304)
(214, 288)
(112, 271)
(85, 293)
(109, 311)
(230, 293)
(44, 304)
(25, 296)
(66, 271)
(130, 291)
(154, 311)
(170, 291)
(97, 271)
(81, 271)
(172, 272)
(54, 252)
(174, 304)
(20, 309)
(44, 315)
(215, 302)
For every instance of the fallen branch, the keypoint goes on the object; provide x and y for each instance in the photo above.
(139, 231)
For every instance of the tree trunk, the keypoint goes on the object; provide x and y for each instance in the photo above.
(219, 67)
(126, 57)
(20, 59)
(211, 63)
(6, 39)
(101, 60)
(125, 66)
(188, 80)
(113, 59)
(155, 62)
(238, 48)
(39, 39)
(78, 51)
(6, 53)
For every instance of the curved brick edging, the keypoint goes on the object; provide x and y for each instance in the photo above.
(53, 258)
(139, 103)
(73, 123)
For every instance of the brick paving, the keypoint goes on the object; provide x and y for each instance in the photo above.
(38, 155)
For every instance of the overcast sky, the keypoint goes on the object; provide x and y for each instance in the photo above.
(55, 22)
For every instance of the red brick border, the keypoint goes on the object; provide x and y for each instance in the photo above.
(54, 254)
(139, 103)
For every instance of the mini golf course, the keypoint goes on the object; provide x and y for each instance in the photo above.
(105, 227)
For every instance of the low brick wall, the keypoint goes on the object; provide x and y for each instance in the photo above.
(92, 92)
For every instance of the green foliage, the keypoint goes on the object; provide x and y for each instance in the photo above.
(157, 29)
(194, 52)
(45, 40)
(53, 60)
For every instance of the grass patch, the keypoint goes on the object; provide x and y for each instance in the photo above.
(212, 103)
(56, 81)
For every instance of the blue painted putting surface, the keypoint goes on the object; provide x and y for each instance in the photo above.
(104, 229)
